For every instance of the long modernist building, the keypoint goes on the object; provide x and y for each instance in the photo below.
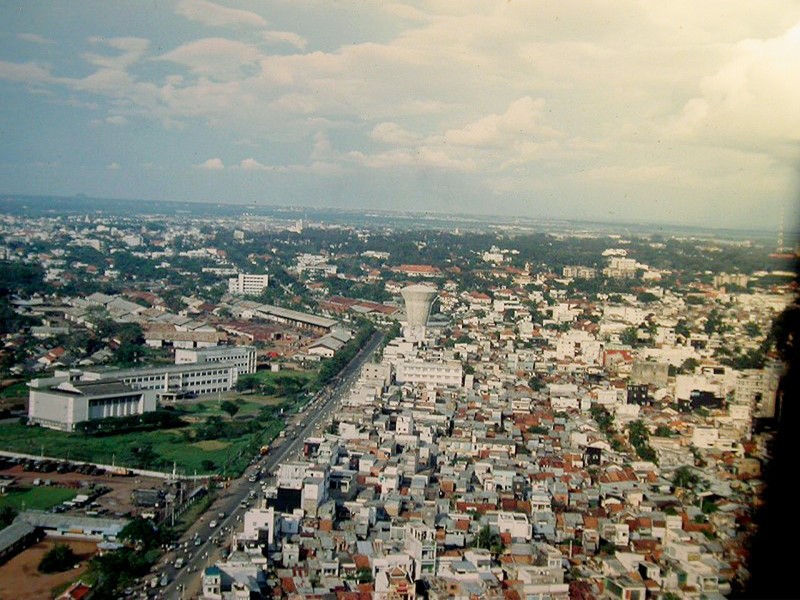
(173, 381)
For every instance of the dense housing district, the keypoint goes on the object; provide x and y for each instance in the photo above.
(578, 414)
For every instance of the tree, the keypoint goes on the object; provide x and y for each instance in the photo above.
(647, 453)
(637, 433)
(535, 383)
(752, 329)
(663, 431)
(7, 515)
(714, 323)
(229, 407)
(604, 419)
(629, 336)
(208, 465)
(246, 382)
(141, 533)
(682, 329)
(685, 478)
(59, 558)
(489, 540)
(647, 297)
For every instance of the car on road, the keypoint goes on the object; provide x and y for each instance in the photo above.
(179, 563)
(212, 524)
(198, 541)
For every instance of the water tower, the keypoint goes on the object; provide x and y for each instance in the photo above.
(418, 300)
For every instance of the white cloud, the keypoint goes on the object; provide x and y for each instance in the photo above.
(108, 82)
(114, 166)
(251, 164)
(35, 39)
(116, 120)
(131, 50)
(523, 119)
(286, 37)
(751, 101)
(392, 133)
(213, 14)
(219, 58)
(26, 72)
(421, 157)
(316, 167)
(212, 164)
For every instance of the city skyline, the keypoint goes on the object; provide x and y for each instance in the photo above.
(632, 111)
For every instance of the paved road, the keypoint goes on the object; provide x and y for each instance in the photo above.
(196, 545)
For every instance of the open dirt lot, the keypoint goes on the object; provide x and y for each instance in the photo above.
(118, 500)
(20, 579)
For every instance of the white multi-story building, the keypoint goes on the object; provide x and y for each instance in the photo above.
(243, 357)
(315, 489)
(446, 374)
(420, 544)
(624, 268)
(291, 474)
(169, 382)
(58, 403)
(177, 380)
(758, 388)
(248, 284)
(259, 525)
(516, 524)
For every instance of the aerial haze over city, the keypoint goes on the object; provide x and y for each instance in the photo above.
(398, 300)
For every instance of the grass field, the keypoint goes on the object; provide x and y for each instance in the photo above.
(127, 449)
(266, 376)
(211, 445)
(36, 498)
(249, 405)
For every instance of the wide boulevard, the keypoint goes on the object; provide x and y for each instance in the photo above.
(201, 545)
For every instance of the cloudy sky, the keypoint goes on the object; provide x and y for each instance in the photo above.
(669, 112)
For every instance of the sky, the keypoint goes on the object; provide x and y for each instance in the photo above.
(679, 112)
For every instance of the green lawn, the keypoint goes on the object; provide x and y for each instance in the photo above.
(248, 404)
(125, 449)
(36, 498)
(266, 375)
